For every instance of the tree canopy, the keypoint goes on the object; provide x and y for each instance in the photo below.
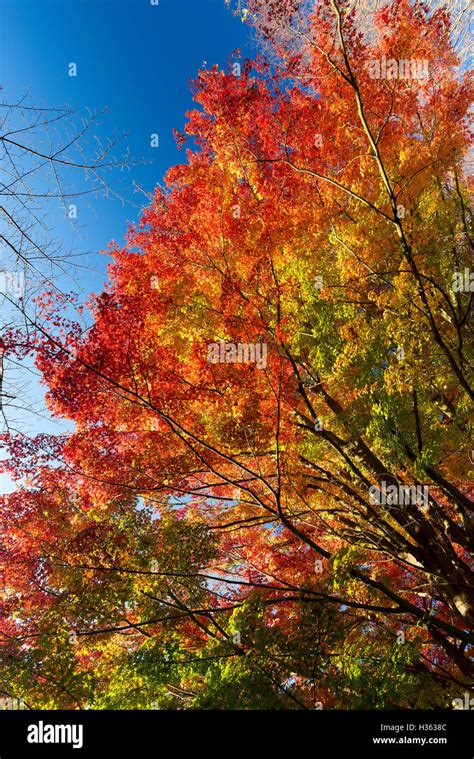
(265, 502)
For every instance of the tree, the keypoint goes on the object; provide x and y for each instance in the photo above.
(51, 159)
(265, 501)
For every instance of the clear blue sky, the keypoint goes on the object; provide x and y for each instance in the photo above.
(132, 57)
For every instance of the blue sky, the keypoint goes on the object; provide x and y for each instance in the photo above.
(134, 58)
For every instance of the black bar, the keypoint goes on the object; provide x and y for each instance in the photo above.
(131, 734)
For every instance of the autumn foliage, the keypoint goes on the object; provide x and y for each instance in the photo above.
(208, 536)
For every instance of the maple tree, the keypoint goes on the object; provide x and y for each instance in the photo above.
(44, 160)
(208, 536)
